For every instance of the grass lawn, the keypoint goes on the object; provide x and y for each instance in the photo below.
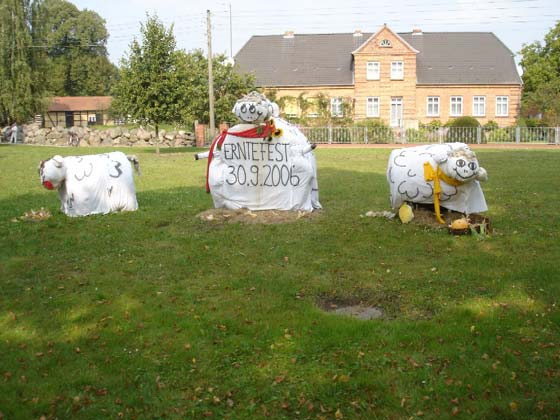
(156, 314)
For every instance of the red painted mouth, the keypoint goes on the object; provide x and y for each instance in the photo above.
(48, 185)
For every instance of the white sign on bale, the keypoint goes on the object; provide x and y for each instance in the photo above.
(262, 174)
(264, 163)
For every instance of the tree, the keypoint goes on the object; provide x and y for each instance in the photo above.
(147, 89)
(229, 86)
(75, 44)
(17, 102)
(541, 77)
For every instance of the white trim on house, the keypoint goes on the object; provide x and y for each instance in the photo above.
(479, 106)
(397, 70)
(502, 106)
(456, 106)
(373, 70)
(432, 106)
(336, 107)
(372, 106)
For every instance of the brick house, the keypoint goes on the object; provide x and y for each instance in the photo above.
(401, 78)
(68, 111)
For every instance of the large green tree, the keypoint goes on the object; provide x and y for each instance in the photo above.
(229, 86)
(17, 102)
(75, 45)
(541, 77)
(147, 89)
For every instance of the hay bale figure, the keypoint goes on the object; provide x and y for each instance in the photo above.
(92, 184)
(440, 174)
(263, 163)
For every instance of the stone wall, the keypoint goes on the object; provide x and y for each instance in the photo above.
(117, 136)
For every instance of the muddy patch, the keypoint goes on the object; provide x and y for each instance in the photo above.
(221, 216)
(424, 215)
(358, 310)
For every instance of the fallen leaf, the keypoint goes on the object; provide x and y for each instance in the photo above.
(338, 415)
(455, 411)
(513, 406)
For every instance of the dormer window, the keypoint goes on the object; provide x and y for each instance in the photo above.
(385, 43)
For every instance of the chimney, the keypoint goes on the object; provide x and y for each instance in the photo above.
(358, 33)
(416, 31)
(288, 34)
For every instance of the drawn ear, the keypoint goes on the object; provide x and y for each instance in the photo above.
(482, 174)
(441, 157)
(58, 161)
(235, 107)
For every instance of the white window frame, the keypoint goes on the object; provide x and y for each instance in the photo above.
(397, 70)
(372, 106)
(479, 106)
(373, 70)
(456, 106)
(336, 107)
(502, 106)
(433, 103)
(396, 111)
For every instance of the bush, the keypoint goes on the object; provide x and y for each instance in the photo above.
(491, 125)
(377, 130)
(465, 121)
(498, 135)
(432, 124)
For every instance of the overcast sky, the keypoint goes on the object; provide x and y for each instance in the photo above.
(515, 22)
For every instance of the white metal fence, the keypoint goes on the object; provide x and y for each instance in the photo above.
(472, 135)
(398, 135)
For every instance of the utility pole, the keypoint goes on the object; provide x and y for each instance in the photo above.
(230, 34)
(210, 76)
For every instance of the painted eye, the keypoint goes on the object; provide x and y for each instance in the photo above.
(252, 109)
(244, 108)
(461, 163)
(472, 166)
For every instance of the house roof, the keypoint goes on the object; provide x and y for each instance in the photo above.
(326, 59)
(80, 103)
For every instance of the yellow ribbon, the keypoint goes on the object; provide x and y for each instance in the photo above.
(430, 174)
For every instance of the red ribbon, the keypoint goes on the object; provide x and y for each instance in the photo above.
(260, 131)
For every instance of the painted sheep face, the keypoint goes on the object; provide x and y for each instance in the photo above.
(52, 172)
(253, 108)
(463, 167)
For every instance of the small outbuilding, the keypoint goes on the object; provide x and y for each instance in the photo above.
(82, 111)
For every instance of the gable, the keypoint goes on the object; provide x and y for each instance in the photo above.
(385, 42)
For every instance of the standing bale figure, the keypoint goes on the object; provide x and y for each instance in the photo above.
(92, 184)
(263, 163)
(446, 174)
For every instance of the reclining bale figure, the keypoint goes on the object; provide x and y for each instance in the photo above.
(442, 174)
(92, 184)
(263, 163)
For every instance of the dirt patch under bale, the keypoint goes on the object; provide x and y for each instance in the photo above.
(267, 217)
(424, 215)
(351, 308)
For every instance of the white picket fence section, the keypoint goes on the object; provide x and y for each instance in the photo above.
(472, 135)
(429, 135)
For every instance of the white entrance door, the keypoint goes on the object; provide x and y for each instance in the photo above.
(396, 111)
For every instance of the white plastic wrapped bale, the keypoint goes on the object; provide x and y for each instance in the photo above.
(262, 174)
(264, 163)
(91, 184)
(442, 174)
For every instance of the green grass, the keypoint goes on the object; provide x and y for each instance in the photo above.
(156, 314)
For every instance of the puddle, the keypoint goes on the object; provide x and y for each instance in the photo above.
(359, 312)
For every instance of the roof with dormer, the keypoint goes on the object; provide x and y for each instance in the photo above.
(442, 58)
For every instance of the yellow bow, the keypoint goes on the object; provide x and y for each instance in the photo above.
(430, 174)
